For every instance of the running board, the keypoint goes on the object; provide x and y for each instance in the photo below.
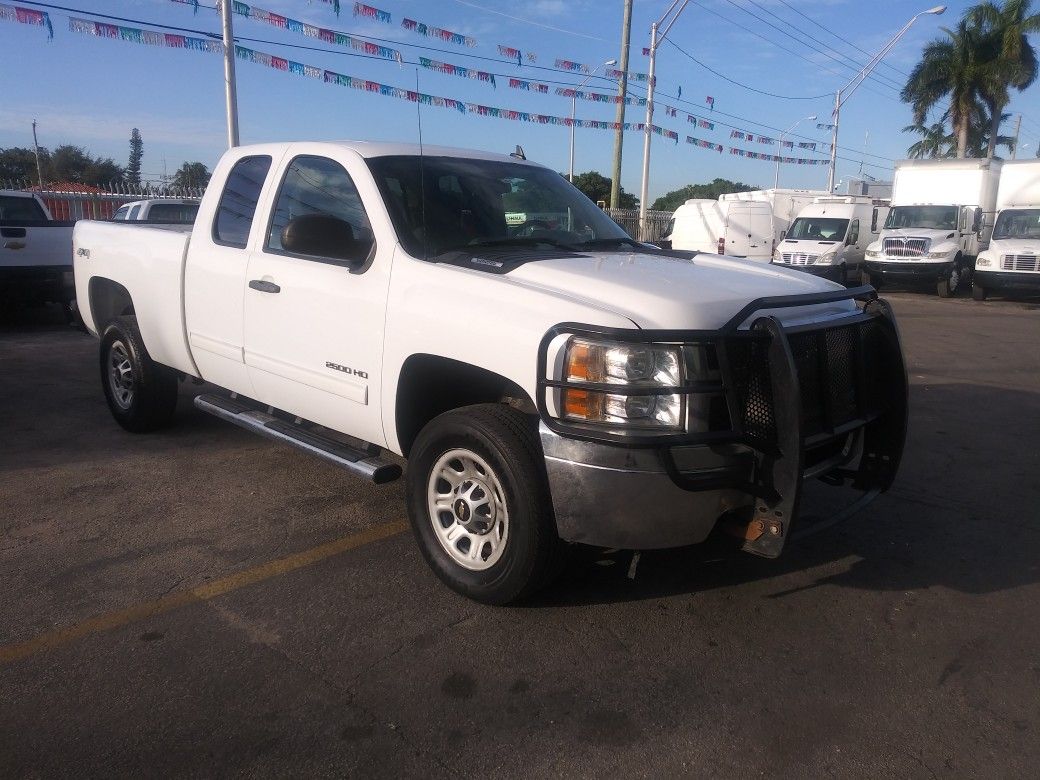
(362, 464)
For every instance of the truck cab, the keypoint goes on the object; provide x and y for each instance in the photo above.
(172, 210)
(1011, 263)
(829, 237)
(549, 381)
(941, 218)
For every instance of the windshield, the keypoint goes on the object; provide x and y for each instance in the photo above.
(1017, 223)
(818, 229)
(461, 203)
(935, 217)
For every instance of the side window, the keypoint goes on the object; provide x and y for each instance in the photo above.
(238, 201)
(873, 221)
(121, 213)
(134, 212)
(319, 213)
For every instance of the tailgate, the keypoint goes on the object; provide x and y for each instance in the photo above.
(43, 244)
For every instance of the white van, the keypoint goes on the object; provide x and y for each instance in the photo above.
(783, 203)
(830, 236)
(733, 228)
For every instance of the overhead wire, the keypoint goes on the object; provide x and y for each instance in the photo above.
(383, 60)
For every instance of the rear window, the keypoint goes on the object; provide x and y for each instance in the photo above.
(173, 212)
(20, 209)
(121, 213)
(239, 199)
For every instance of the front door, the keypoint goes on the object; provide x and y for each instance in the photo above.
(315, 311)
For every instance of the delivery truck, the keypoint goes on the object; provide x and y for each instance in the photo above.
(941, 218)
(1012, 260)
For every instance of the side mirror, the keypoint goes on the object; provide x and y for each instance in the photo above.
(977, 222)
(321, 235)
(852, 239)
(783, 234)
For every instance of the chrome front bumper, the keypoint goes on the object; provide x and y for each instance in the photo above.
(611, 496)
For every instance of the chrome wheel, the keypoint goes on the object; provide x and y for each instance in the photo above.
(467, 507)
(120, 375)
(955, 279)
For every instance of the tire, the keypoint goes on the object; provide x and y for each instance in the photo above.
(485, 451)
(978, 292)
(843, 277)
(874, 280)
(141, 394)
(947, 287)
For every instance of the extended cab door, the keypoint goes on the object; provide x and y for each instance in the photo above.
(215, 274)
(315, 297)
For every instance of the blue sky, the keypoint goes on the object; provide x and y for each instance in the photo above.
(91, 92)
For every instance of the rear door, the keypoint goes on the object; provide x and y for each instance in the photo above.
(315, 319)
(749, 230)
(215, 276)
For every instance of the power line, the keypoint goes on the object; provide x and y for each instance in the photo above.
(902, 73)
(781, 47)
(857, 66)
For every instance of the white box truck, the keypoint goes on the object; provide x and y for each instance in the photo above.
(941, 217)
(1012, 260)
(828, 238)
(734, 228)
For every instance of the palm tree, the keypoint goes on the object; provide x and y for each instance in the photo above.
(951, 68)
(934, 143)
(1011, 60)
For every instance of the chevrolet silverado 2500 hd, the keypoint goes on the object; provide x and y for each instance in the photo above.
(549, 380)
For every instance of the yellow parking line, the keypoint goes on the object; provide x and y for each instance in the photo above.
(16, 652)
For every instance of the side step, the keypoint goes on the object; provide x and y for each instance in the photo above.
(361, 464)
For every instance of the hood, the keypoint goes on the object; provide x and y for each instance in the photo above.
(935, 234)
(658, 291)
(1015, 246)
(808, 246)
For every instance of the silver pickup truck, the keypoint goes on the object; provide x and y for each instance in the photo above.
(35, 252)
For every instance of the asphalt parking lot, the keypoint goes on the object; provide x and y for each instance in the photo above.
(204, 602)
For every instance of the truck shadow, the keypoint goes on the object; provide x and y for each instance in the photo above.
(964, 514)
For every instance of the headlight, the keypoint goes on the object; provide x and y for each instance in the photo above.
(938, 255)
(983, 261)
(873, 253)
(631, 367)
(827, 257)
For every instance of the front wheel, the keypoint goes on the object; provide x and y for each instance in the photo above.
(874, 280)
(947, 286)
(141, 394)
(479, 504)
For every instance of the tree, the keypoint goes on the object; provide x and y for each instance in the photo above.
(1011, 60)
(952, 68)
(934, 143)
(191, 174)
(73, 163)
(18, 164)
(133, 167)
(672, 200)
(597, 187)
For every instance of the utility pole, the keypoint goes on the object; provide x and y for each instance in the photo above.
(230, 90)
(35, 149)
(656, 36)
(619, 116)
(1014, 144)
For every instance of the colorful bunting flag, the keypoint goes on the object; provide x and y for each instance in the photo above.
(368, 12)
(16, 13)
(710, 101)
(704, 144)
(436, 32)
(137, 35)
(821, 126)
(614, 73)
(457, 70)
(599, 97)
(570, 65)
(529, 86)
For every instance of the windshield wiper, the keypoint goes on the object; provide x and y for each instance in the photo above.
(518, 241)
(605, 243)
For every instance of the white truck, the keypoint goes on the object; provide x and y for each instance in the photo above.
(941, 218)
(35, 252)
(545, 384)
(174, 210)
(829, 237)
(784, 205)
(1012, 260)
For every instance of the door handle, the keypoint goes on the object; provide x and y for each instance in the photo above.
(261, 286)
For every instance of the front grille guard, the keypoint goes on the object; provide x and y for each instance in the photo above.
(763, 396)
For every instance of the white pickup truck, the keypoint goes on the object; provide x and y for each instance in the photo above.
(546, 383)
(35, 252)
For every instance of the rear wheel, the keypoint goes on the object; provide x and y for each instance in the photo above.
(479, 504)
(978, 292)
(141, 394)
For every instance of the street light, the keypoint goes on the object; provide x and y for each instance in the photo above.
(858, 79)
(574, 101)
(655, 41)
(780, 144)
